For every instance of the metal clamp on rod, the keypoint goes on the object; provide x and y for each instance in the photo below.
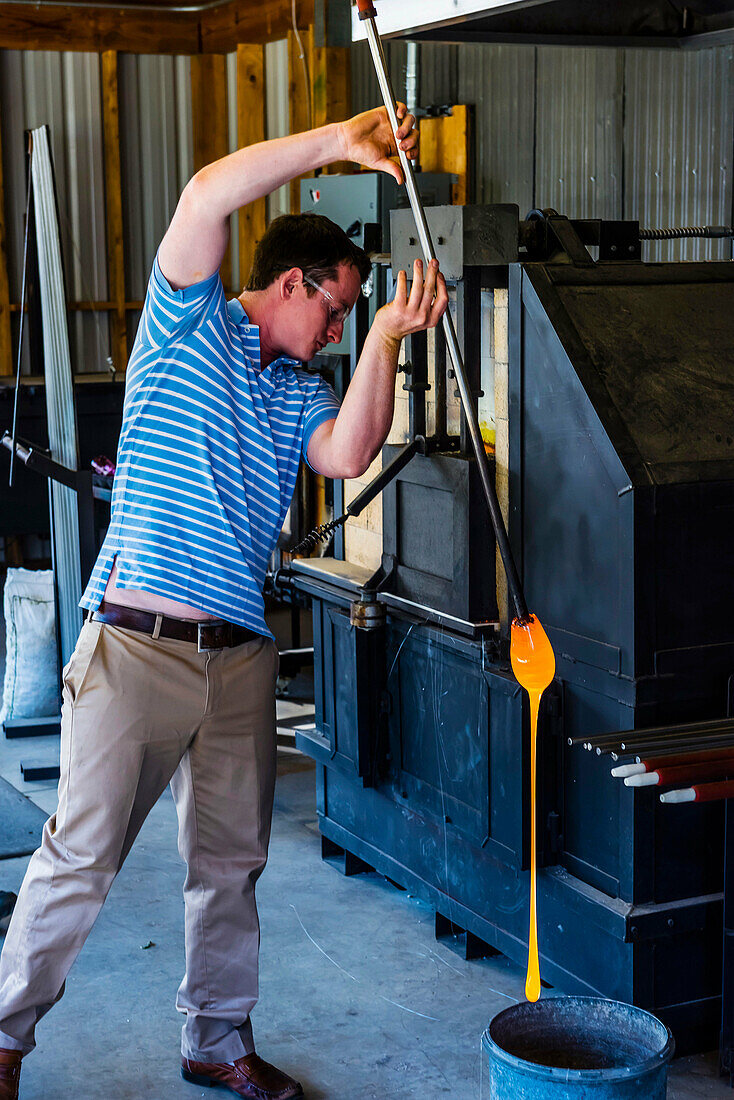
(368, 14)
(20, 449)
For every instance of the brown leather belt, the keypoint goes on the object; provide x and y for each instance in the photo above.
(207, 634)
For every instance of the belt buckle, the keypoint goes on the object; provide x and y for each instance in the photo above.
(222, 636)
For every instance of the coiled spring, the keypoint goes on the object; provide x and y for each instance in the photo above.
(678, 232)
(319, 534)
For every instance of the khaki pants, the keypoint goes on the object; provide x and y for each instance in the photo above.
(138, 714)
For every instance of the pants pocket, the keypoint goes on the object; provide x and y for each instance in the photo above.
(74, 673)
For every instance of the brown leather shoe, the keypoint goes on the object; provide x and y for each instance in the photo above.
(250, 1077)
(10, 1074)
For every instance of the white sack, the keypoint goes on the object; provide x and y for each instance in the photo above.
(31, 687)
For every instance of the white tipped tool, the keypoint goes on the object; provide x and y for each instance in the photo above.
(647, 779)
(623, 770)
(688, 794)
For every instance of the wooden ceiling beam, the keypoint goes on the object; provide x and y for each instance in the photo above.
(41, 26)
(224, 28)
(37, 27)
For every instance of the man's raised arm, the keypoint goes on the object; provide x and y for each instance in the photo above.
(195, 242)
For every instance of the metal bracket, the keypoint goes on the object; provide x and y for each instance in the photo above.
(435, 110)
(380, 578)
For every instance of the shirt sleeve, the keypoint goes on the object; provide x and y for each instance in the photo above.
(170, 314)
(323, 405)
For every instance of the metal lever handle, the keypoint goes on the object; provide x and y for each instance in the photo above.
(402, 458)
(35, 459)
(368, 14)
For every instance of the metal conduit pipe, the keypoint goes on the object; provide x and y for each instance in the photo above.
(412, 78)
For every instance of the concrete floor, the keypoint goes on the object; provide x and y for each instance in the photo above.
(358, 1000)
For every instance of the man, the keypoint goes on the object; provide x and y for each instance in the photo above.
(173, 676)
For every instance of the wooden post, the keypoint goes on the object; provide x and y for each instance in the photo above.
(332, 92)
(250, 130)
(210, 123)
(446, 147)
(6, 344)
(299, 97)
(113, 211)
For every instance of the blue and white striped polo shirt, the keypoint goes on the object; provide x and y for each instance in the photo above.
(208, 455)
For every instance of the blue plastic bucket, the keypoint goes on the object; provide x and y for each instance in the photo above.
(574, 1048)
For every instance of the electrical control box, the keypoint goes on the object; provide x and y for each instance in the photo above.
(360, 204)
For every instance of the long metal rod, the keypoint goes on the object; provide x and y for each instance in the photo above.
(24, 277)
(602, 740)
(632, 744)
(367, 13)
(640, 752)
(724, 730)
(661, 744)
(718, 745)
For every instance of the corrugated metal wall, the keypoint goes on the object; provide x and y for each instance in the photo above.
(578, 132)
(233, 143)
(613, 133)
(62, 90)
(594, 132)
(678, 145)
(156, 148)
(156, 157)
(504, 120)
(365, 90)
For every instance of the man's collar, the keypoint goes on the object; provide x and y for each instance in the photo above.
(251, 334)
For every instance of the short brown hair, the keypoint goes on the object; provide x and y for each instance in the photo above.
(309, 241)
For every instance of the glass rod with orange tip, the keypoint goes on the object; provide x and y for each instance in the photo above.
(532, 657)
(368, 14)
(534, 665)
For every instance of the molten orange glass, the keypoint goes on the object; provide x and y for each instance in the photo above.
(534, 665)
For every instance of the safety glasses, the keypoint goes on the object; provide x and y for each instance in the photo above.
(336, 316)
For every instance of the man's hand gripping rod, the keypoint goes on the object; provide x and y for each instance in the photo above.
(368, 14)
